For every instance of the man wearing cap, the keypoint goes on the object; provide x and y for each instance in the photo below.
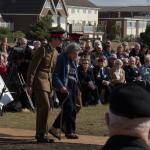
(65, 82)
(75, 37)
(102, 78)
(39, 81)
(128, 118)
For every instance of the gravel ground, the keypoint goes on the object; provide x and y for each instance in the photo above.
(9, 144)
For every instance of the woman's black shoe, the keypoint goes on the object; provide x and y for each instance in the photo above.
(45, 140)
(71, 136)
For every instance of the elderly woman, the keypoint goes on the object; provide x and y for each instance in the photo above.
(145, 69)
(108, 50)
(65, 82)
(37, 45)
(87, 83)
(132, 71)
(121, 53)
(111, 60)
(138, 62)
(125, 62)
(125, 47)
(117, 73)
(97, 52)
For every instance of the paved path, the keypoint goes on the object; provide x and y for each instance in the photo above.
(9, 133)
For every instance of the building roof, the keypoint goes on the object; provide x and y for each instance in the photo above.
(22, 6)
(80, 3)
(62, 12)
(56, 2)
(125, 9)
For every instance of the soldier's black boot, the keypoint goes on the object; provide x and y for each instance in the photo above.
(44, 139)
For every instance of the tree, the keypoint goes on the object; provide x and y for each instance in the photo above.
(19, 34)
(115, 31)
(6, 32)
(40, 29)
(145, 36)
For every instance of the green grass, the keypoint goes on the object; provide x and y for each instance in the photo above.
(90, 120)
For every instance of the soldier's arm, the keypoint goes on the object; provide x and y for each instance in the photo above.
(54, 61)
(34, 65)
(57, 83)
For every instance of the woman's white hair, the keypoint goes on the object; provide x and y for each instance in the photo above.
(36, 42)
(118, 61)
(147, 57)
(73, 47)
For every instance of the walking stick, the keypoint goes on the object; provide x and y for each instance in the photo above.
(23, 84)
(62, 111)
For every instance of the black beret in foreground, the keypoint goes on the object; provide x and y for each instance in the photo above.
(130, 100)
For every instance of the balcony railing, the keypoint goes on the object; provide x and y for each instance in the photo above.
(87, 29)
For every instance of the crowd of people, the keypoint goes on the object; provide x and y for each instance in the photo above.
(100, 66)
(73, 71)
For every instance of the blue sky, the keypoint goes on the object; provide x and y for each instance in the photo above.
(121, 2)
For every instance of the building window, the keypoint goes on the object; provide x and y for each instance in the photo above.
(73, 22)
(78, 10)
(95, 11)
(142, 24)
(131, 24)
(48, 4)
(89, 23)
(54, 19)
(89, 11)
(59, 5)
(69, 10)
(72, 10)
(83, 23)
(84, 11)
(95, 23)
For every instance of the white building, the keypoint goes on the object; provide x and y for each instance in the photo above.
(132, 20)
(4, 24)
(24, 13)
(57, 9)
(82, 16)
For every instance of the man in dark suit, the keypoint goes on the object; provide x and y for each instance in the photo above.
(21, 57)
(132, 71)
(128, 118)
(102, 78)
(136, 50)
